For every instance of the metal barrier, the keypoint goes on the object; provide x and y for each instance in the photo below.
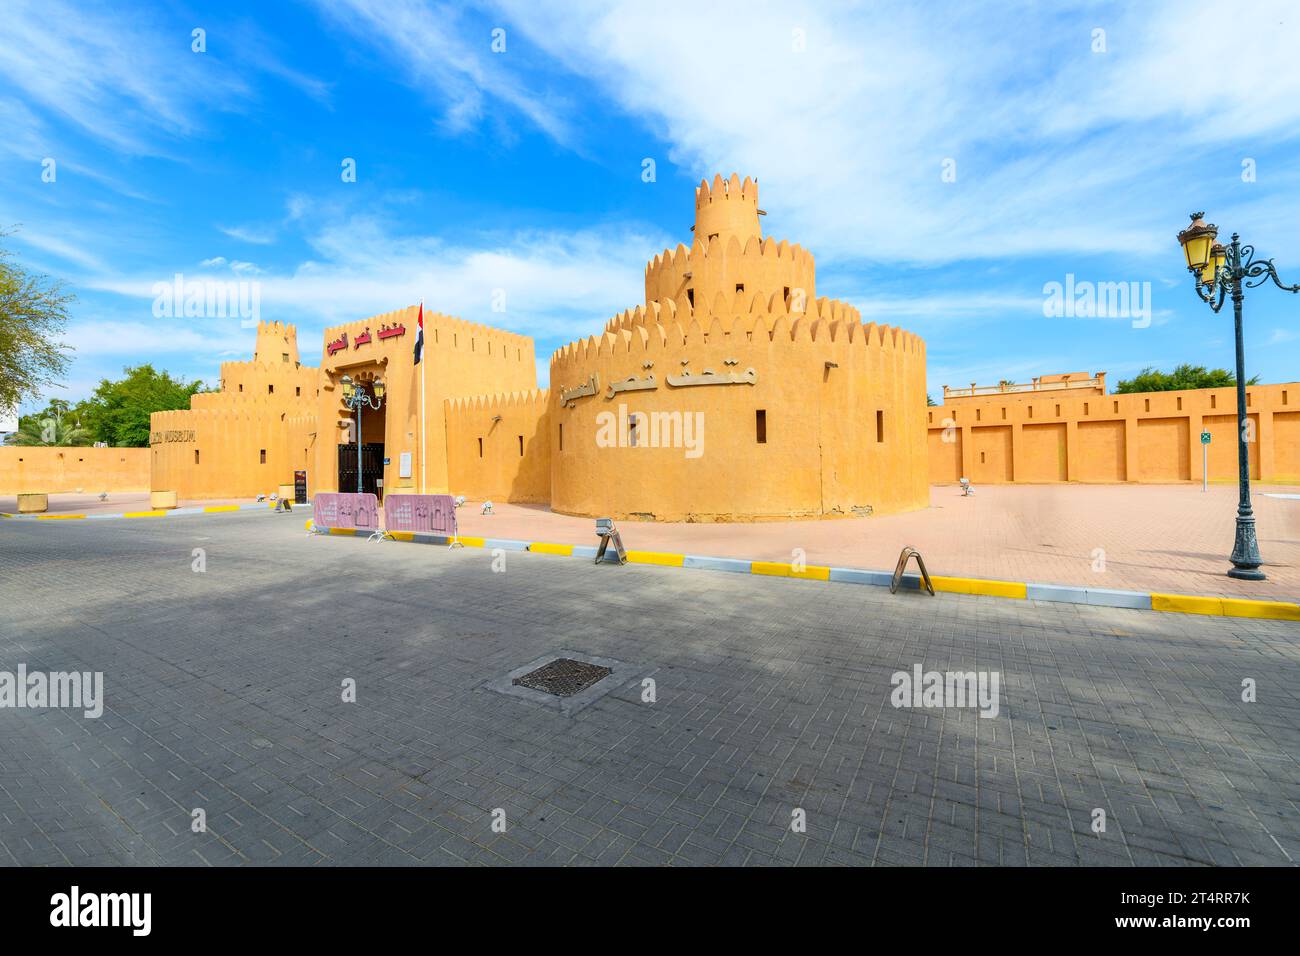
(910, 552)
(432, 513)
(345, 510)
(607, 533)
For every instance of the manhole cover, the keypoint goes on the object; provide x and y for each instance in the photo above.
(563, 677)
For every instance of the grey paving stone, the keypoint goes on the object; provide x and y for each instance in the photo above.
(223, 692)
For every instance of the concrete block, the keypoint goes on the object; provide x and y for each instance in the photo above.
(1056, 592)
(717, 564)
(1105, 597)
(858, 576)
(162, 499)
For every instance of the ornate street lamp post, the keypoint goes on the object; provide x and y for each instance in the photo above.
(1218, 272)
(356, 398)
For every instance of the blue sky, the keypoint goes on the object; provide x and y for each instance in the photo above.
(522, 170)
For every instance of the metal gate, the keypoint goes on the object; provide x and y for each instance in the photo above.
(372, 467)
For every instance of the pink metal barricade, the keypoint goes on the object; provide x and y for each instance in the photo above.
(345, 510)
(433, 513)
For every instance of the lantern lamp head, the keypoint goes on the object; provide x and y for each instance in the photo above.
(1218, 256)
(1196, 241)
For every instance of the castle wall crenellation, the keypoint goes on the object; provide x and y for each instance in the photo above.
(733, 303)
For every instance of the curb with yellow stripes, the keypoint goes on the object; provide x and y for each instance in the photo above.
(210, 509)
(1099, 597)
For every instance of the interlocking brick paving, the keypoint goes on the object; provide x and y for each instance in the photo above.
(223, 692)
(1170, 538)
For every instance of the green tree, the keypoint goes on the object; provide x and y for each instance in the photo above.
(33, 316)
(54, 426)
(1183, 377)
(929, 401)
(118, 412)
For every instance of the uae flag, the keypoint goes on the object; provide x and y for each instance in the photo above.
(419, 334)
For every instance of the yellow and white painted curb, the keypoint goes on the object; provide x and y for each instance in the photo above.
(1014, 590)
(170, 512)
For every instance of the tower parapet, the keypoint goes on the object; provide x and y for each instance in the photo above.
(276, 342)
(729, 261)
(727, 208)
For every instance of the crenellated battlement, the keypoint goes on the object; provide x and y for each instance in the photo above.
(762, 303)
(741, 333)
(277, 329)
(262, 411)
(727, 190)
(275, 339)
(727, 209)
(432, 320)
(728, 253)
(499, 401)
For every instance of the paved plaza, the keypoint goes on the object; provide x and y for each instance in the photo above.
(1166, 538)
(223, 692)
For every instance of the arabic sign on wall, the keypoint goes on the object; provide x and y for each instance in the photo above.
(684, 380)
(385, 332)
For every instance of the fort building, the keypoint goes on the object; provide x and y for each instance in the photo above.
(1066, 428)
(732, 392)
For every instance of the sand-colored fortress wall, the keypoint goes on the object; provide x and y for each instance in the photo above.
(275, 370)
(810, 413)
(498, 447)
(461, 359)
(249, 437)
(822, 385)
(67, 470)
(1142, 437)
(241, 451)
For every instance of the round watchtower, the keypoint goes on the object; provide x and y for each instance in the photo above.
(727, 208)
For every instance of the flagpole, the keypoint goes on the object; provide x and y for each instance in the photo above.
(424, 459)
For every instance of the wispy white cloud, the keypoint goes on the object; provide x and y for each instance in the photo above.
(127, 80)
(64, 249)
(1056, 148)
(110, 76)
(254, 234)
(550, 283)
(430, 48)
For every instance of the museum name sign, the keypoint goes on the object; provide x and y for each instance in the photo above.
(182, 435)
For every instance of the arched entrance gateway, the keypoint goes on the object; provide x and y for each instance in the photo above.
(362, 399)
